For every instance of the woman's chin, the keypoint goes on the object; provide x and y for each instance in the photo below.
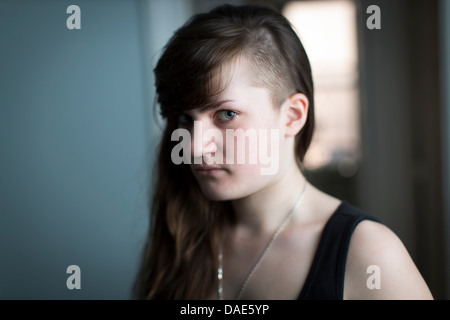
(220, 193)
(216, 196)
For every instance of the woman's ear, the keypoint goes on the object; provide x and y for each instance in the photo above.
(296, 113)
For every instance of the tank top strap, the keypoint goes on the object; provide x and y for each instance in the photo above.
(325, 280)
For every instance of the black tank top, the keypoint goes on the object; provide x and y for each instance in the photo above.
(325, 280)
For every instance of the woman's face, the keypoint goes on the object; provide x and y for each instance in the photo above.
(237, 147)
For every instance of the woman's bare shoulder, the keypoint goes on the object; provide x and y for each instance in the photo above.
(380, 267)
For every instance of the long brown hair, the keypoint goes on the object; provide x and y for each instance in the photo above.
(180, 256)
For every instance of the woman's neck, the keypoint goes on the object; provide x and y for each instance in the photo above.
(264, 211)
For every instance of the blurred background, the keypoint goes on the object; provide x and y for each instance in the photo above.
(78, 130)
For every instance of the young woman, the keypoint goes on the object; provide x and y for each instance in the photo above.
(221, 226)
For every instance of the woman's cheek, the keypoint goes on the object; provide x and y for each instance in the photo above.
(253, 149)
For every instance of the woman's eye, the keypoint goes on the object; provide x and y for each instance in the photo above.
(184, 119)
(226, 115)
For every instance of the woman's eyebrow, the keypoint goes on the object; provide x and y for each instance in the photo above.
(214, 105)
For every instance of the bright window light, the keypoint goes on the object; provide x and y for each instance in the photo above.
(327, 30)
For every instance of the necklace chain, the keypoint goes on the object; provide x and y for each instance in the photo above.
(247, 279)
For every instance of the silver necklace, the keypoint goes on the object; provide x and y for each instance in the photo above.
(275, 235)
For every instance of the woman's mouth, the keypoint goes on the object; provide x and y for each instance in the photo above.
(207, 170)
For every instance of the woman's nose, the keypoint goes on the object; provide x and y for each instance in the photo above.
(203, 139)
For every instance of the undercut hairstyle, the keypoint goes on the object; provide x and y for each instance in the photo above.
(179, 259)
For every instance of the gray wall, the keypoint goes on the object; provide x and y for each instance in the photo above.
(73, 144)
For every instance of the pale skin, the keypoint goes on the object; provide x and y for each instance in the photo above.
(261, 203)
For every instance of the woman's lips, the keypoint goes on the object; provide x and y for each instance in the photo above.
(209, 170)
